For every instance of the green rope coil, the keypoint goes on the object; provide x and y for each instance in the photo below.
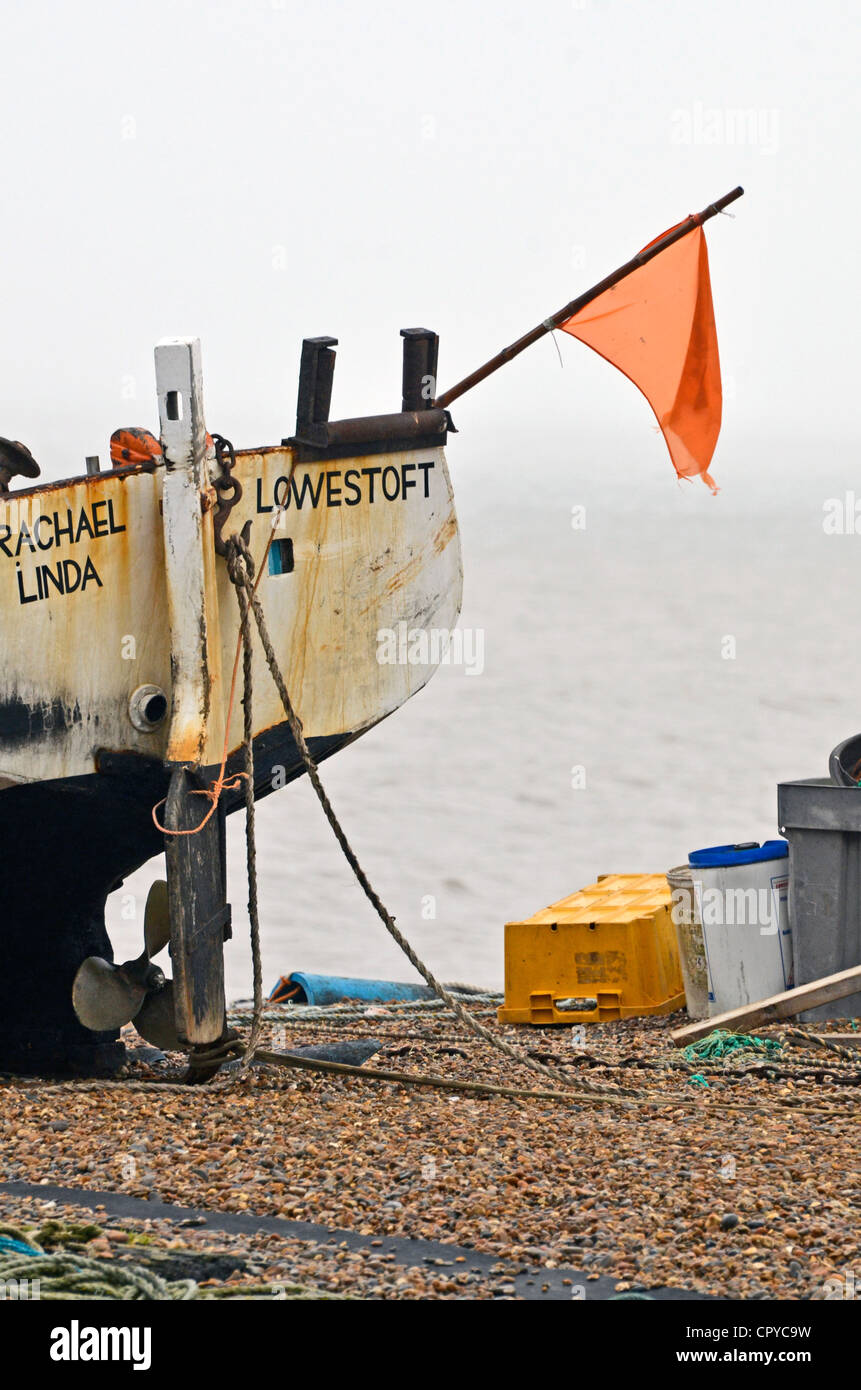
(721, 1044)
(64, 1274)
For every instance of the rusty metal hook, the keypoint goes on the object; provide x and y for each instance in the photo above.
(228, 488)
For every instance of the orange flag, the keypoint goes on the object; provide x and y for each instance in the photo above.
(658, 327)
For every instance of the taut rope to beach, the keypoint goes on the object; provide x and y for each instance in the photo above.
(245, 577)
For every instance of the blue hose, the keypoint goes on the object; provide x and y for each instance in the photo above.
(335, 989)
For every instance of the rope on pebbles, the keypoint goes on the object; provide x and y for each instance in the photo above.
(242, 571)
(299, 1014)
(720, 1044)
(68, 1275)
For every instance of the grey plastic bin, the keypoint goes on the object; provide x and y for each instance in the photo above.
(822, 823)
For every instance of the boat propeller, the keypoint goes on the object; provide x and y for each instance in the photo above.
(107, 996)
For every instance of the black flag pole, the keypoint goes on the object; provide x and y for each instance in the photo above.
(696, 220)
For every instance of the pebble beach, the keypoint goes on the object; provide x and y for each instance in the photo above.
(732, 1178)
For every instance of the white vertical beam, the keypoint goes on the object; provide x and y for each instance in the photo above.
(179, 383)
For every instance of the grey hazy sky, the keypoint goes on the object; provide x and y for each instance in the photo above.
(257, 172)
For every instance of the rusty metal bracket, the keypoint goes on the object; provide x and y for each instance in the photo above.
(228, 489)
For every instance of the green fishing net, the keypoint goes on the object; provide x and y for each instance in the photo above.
(721, 1044)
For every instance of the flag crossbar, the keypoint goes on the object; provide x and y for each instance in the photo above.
(562, 315)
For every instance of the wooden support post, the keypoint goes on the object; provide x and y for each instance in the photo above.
(179, 383)
(786, 1005)
(199, 914)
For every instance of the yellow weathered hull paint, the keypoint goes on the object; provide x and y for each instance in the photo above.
(71, 660)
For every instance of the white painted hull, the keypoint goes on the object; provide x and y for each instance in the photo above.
(85, 618)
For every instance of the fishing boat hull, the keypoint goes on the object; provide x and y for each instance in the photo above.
(117, 650)
(363, 545)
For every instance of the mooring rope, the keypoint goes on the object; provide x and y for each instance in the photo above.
(297, 1015)
(69, 1275)
(242, 569)
(624, 1099)
(250, 824)
(822, 1040)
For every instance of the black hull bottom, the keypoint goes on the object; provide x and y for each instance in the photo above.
(66, 846)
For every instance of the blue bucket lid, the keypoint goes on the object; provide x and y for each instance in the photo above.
(729, 856)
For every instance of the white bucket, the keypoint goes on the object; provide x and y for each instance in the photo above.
(742, 894)
(689, 936)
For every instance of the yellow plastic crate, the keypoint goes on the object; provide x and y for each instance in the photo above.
(613, 944)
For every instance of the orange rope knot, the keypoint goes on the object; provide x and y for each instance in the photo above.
(221, 784)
